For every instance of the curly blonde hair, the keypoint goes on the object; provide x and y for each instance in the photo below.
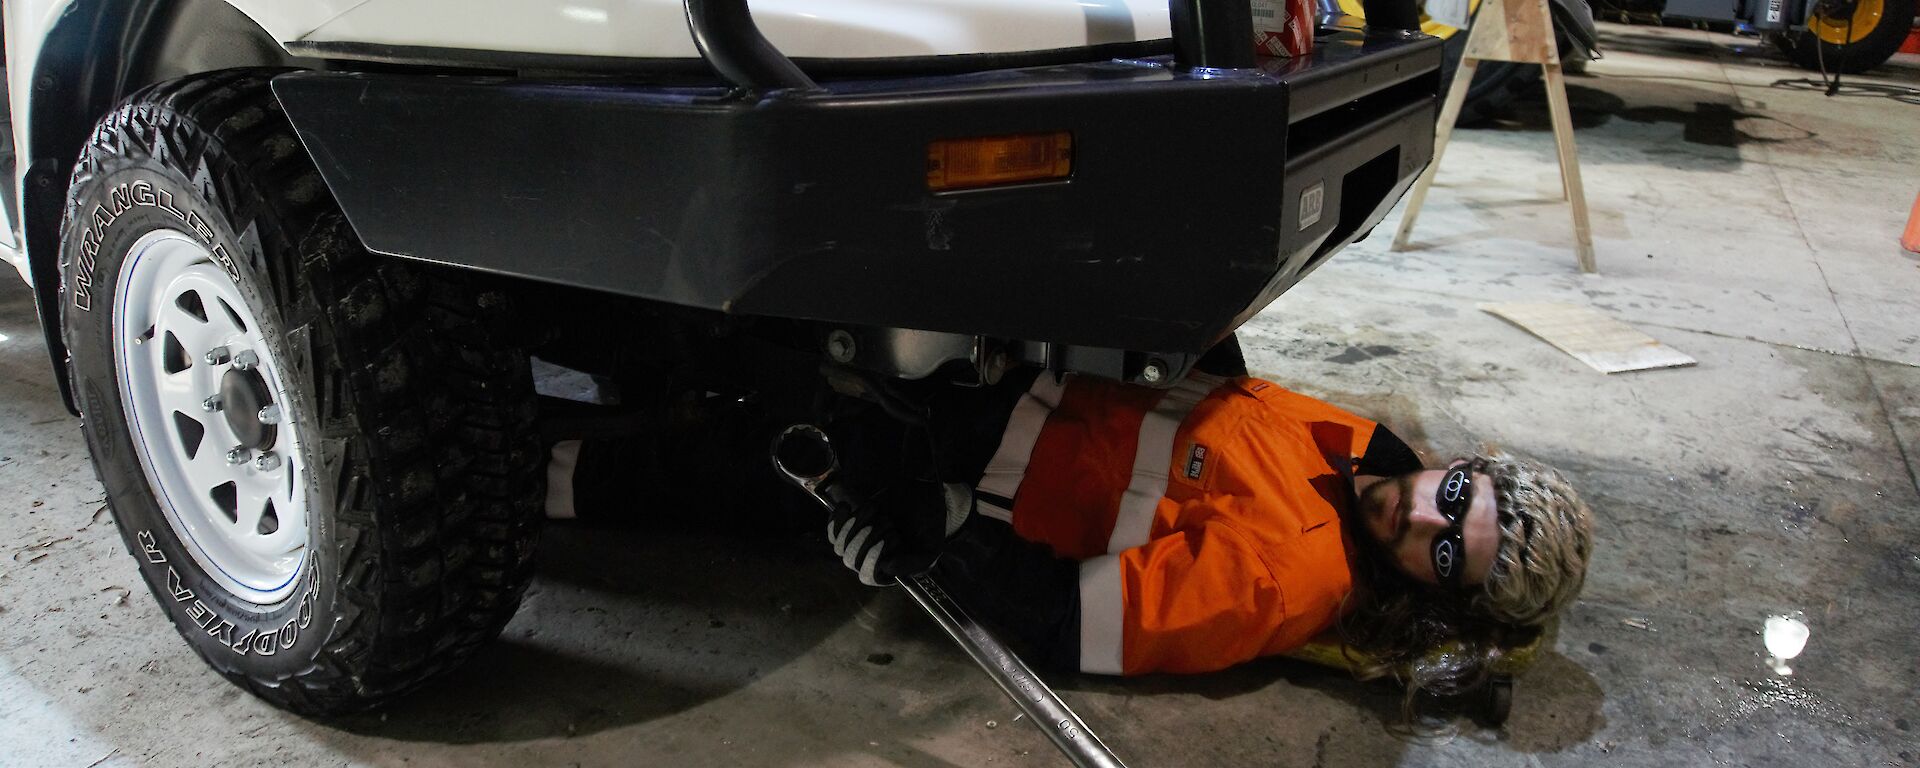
(1446, 643)
(1546, 536)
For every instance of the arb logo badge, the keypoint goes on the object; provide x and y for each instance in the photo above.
(1196, 461)
(1311, 201)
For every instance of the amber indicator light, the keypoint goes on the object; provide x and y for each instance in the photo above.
(954, 164)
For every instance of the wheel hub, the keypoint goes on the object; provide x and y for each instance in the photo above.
(1844, 22)
(244, 394)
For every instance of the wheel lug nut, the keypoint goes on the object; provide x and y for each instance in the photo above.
(237, 455)
(245, 360)
(218, 356)
(269, 415)
(212, 404)
(267, 461)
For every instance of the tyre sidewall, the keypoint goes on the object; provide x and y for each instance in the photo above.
(108, 212)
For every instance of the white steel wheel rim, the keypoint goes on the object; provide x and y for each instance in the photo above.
(245, 523)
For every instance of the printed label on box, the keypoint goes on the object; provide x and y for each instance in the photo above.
(1453, 13)
(1282, 27)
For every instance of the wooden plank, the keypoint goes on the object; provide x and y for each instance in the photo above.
(1449, 112)
(1526, 36)
(1570, 167)
(1489, 41)
(1605, 344)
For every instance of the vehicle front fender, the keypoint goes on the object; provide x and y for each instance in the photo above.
(83, 58)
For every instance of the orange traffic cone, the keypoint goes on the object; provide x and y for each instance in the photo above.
(1910, 240)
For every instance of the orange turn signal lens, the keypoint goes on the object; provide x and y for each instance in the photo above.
(987, 161)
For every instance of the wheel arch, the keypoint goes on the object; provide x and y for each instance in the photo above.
(96, 54)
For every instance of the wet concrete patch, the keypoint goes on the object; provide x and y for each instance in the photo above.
(1711, 124)
(1705, 119)
(1354, 354)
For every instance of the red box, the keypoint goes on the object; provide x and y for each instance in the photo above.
(1282, 27)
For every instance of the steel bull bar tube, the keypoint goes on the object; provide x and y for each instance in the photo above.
(724, 32)
(804, 456)
(1391, 17)
(1212, 34)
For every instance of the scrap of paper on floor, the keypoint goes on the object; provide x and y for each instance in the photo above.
(1606, 344)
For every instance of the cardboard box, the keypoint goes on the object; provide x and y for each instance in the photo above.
(1282, 27)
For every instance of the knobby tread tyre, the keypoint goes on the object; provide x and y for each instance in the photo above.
(416, 408)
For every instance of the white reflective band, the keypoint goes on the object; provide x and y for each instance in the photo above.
(560, 466)
(992, 510)
(1009, 464)
(1102, 616)
(1153, 455)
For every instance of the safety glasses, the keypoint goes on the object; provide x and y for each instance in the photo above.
(1449, 545)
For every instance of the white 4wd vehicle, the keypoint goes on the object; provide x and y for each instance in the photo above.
(292, 258)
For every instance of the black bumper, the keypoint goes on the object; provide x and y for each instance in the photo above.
(1182, 218)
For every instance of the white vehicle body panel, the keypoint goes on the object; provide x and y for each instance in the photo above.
(294, 19)
(16, 256)
(799, 28)
(27, 23)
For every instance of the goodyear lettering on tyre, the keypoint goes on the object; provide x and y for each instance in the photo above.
(149, 548)
(260, 642)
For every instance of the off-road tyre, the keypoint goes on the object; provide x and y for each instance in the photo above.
(1881, 43)
(412, 405)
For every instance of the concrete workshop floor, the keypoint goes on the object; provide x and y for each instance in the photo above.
(1749, 225)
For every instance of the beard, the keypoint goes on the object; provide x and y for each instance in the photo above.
(1381, 506)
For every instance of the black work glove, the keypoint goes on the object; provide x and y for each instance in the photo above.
(910, 501)
(878, 538)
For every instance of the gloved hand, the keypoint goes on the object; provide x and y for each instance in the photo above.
(908, 504)
(872, 542)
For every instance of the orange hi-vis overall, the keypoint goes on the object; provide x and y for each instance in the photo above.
(1206, 518)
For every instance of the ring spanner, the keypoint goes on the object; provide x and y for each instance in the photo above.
(804, 456)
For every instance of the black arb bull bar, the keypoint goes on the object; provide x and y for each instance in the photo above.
(1204, 184)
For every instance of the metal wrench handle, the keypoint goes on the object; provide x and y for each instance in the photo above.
(1064, 728)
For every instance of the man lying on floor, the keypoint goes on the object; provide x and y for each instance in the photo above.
(1119, 529)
